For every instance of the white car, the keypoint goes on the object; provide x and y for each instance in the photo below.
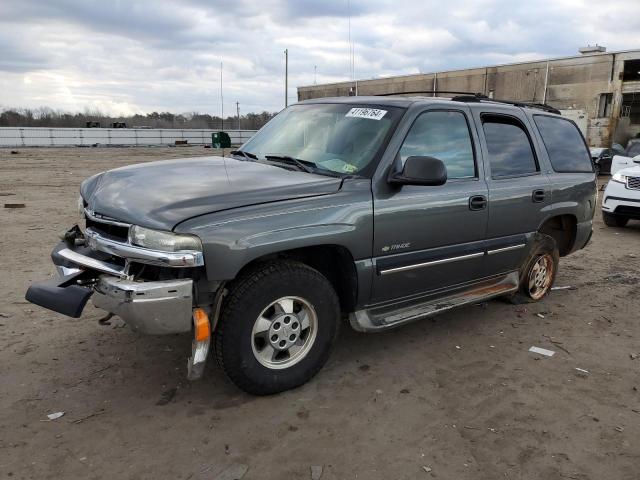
(621, 200)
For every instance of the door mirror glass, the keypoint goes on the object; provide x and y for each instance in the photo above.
(421, 171)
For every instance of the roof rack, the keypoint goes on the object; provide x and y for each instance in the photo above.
(432, 92)
(539, 106)
(478, 97)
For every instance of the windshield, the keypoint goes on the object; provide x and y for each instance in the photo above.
(340, 138)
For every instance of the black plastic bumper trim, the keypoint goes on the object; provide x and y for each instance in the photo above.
(60, 295)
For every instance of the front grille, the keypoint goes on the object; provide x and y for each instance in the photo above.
(114, 231)
(633, 183)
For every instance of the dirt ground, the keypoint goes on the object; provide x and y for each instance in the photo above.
(454, 397)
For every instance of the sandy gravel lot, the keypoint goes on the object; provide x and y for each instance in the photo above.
(454, 397)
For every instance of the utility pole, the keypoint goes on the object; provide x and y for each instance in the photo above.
(238, 113)
(286, 77)
(315, 74)
(221, 99)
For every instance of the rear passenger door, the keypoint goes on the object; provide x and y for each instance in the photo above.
(519, 190)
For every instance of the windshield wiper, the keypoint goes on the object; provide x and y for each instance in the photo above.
(304, 165)
(249, 155)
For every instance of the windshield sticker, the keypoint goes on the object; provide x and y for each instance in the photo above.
(370, 113)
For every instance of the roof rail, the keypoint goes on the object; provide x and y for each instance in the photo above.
(539, 106)
(478, 97)
(432, 92)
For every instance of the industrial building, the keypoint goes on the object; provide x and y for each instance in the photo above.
(600, 91)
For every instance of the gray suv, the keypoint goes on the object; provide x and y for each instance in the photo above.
(377, 210)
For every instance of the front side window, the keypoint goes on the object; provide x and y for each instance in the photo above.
(564, 144)
(445, 136)
(340, 138)
(510, 150)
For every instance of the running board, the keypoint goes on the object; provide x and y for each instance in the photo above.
(382, 318)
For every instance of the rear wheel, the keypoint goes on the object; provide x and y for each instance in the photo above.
(277, 327)
(539, 273)
(611, 220)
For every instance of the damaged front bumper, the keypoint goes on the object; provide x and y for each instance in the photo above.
(153, 308)
(149, 307)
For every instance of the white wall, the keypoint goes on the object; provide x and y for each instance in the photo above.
(60, 137)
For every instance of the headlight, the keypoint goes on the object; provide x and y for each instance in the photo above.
(164, 241)
(617, 177)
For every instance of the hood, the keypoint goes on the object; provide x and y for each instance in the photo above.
(630, 172)
(620, 162)
(162, 194)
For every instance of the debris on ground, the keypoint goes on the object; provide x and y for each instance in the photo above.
(14, 205)
(582, 370)
(633, 356)
(105, 320)
(540, 315)
(316, 472)
(426, 469)
(54, 416)
(557, 344)
(566, 287)
(620, 428)
(14, 152)
(623, 278)
(167, 396)
(91, 415)
(542, 351)
(234, 472)
(4, 315)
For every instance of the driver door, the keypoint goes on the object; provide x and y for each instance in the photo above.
(430, 238)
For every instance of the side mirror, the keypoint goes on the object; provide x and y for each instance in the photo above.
(421, 171)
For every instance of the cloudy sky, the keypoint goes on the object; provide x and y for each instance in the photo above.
(124, 57)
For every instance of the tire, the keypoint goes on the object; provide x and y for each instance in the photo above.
(545, 251)
(250, 353)
(611, 220)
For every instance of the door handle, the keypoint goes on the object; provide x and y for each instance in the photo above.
(538, 196)
(477, 202)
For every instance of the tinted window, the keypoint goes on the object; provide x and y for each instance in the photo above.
(443, 135)
(510, 151)
(564, 144)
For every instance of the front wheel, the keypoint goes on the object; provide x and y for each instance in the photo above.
(611, 220)
(277, 327)
(539, 272)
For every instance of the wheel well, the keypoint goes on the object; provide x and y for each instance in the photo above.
(563, 230)
(333, 261)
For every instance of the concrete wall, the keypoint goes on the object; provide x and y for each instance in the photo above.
(64, 137)
(572, 83)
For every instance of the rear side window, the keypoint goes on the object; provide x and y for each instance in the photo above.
(443, 135)
(510, 150)
(564, 144)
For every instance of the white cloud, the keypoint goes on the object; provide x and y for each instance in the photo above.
(146, 55)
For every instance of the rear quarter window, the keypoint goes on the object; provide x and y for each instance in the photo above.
(564, 144)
